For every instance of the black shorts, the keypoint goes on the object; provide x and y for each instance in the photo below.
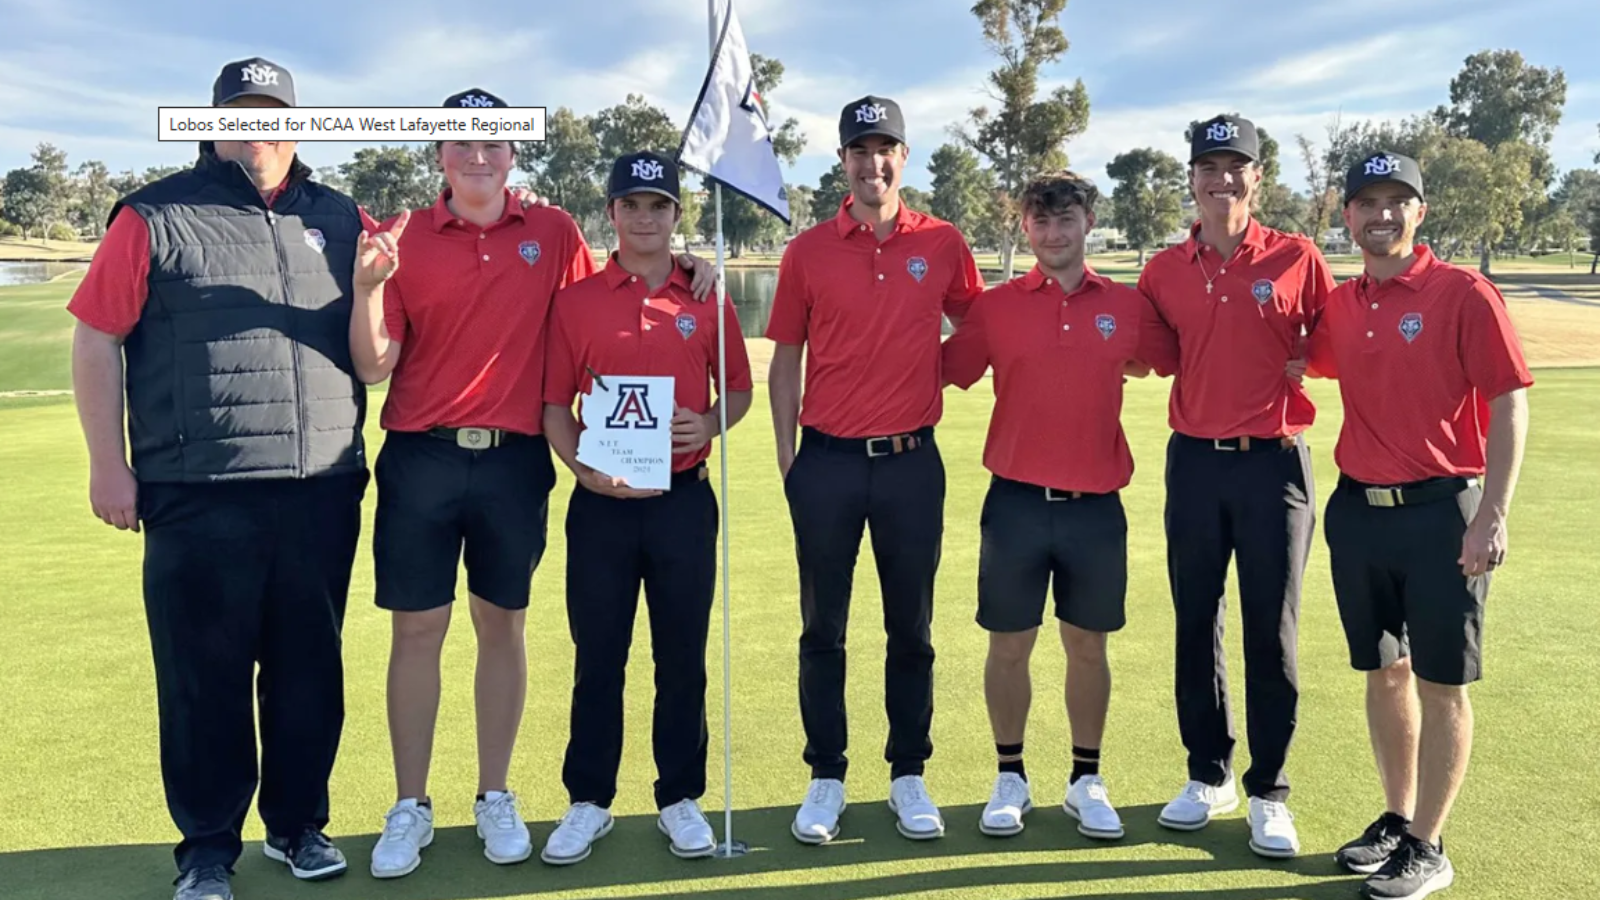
(1399, 584)
(437, 499)
(1027, 537)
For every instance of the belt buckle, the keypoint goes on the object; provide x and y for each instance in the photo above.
(1383, 497)
(475, 438)
(873, 454)
(1051, 495)
(1217, 444)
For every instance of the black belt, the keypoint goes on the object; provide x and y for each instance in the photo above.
(690, 476)
(476, 438)
(1411, 494)
(1244, 444)
(1051, 495)
(886, 445)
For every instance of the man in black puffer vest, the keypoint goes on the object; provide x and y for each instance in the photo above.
(225, 291)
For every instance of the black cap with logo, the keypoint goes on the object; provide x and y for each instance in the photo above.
(868, 116)
(253, 77)
(1380, 167)
(1225, 134)
(645, 171)
(474, 97)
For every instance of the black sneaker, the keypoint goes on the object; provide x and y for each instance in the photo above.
(310, 855)
(1368, 853)
(205, 883)
(1416, 870)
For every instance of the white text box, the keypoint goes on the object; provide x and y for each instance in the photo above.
(350, 123)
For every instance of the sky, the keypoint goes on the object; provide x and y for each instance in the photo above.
(88, 75)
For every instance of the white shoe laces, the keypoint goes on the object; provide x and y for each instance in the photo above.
(911, 790)
(503, 811)
(1095, 789)
(1010, 792)
(822, 793)
(398, 823)
(1273, 811)
(1196, 791)
(682, 815)
(585, 817)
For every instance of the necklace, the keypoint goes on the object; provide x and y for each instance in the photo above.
(1208, 276)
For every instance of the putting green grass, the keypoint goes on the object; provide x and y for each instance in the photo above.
(84, 814)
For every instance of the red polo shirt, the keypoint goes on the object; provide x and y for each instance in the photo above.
(871, 314)
(1058, 360)
(1418, 358)
(112, 294)
(468, 306)
(1236, 340)
(614, 324)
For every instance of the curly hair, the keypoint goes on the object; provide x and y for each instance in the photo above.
(1057, 192)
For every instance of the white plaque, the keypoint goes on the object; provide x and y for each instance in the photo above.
(627, 429)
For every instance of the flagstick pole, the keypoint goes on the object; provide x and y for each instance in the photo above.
(731, 848)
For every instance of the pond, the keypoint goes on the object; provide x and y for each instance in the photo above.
(36, 272)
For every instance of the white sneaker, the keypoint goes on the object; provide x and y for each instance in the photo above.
(1008, 803)
(500, 825)
(919, 818)
(407, 828)
(686, 825)
(1272, 831)
(1090, 803)
(817, 821)
(583, 824)
(1199, 803)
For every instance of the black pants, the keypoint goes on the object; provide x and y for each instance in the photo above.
(835, 489)
(236, 576)
(1255, 506)
(669, 544)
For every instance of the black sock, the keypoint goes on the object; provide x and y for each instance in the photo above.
(1014, 765)
(1084, 762)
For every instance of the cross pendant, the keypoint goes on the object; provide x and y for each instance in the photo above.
(1208, 287)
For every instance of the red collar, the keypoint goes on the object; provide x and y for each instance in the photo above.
(906, 219)
(1035, 280)
(1423, 262)
(1255, 237)
(617, 276)
(442, 216)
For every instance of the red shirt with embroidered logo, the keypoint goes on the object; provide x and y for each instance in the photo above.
(1418, 358)
(871, 315)
(1235, 340)
(614, 324)
(469, 306)
(1058, 360)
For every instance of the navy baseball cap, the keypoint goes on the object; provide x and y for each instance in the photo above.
(474, 97)
(649, 172)
(1225, 133)
(1380, 167)
(253, 77)
(868, 116)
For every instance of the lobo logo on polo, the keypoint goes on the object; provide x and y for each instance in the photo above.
(529, 251)
(632, 409)
(1262, 291)
(1410, 326)
(1222, 131)
(1382, 165)
(686, 325)
(315, 240)
(259, 73)
(647, 169)
(918, 267)
(873, 112)
(1106, 324)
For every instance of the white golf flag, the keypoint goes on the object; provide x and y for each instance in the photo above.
(728, 139)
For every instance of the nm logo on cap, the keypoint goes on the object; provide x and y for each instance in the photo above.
(871, 112)
(686, 325)
(1106, 324)
(1382, 165)
(632, 409)
(918, 267)
(1410, 326)
(259, 73)
(648, 169)
(529, 251)
(315, 240)
(476, 100)
(1222, 131)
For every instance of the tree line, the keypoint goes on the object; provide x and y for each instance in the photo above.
(1492, 185)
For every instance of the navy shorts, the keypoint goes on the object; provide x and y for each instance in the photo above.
(440, 504)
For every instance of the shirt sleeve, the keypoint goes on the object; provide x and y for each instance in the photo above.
(1491, 352)
(1320, 360)
(967, 283)
(738, 356)
(1318, 287)
(560, 363)
(791, 302)
(580, 264)
(1158, 344)
(112, 294)
(964, 357)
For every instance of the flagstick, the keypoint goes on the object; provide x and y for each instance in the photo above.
(730, 847)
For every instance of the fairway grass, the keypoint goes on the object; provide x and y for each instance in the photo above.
(84, 815)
